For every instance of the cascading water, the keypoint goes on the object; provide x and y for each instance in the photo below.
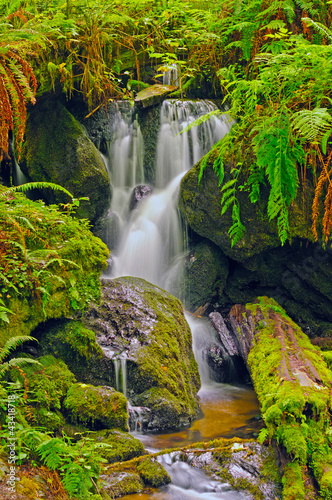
(150, 244)
(151, 236)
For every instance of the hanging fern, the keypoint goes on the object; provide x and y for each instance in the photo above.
(312, 124)
(17, 87)
(279, 161)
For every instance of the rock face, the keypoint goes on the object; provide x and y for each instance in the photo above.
(153, 95)
(205, 274)
(57, 149)
(145, 349)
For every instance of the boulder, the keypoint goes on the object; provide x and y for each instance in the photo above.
(200, 205)
(97, 407)
(57, 149)
(205, 274)
(138, 341)
(153, 95)
(139, 193)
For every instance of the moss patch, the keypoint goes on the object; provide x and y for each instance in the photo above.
(97, 407)
(124, 445)
(293, 385)
(153, 473)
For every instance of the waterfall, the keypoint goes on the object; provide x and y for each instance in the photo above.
(151, 235)
(120, 369)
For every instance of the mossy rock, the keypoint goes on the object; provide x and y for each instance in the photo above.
(148, 324)
(124, 446)
(76, 345)
(97, 407)
(167, 411)
(118, 484)
(57, 149)
(153, 473)
(48, 383)
(52, 270)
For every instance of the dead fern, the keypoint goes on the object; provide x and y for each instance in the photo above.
(18, 86)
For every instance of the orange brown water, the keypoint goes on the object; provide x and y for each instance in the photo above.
(227, 412)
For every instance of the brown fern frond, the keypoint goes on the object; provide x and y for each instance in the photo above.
(17, 87)
(325, 177)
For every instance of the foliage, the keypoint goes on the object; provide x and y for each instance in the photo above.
(33, 260)
(5, 351)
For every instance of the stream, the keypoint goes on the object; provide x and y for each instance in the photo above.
(149, 243)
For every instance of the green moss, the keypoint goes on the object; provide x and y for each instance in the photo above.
(124, 445)
(295, 408)
(117, 485)
(327, 355)
(51, 267)
(153, 473)
(293, 482)
(97, 406)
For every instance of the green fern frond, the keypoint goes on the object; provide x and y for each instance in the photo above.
(13, 343)
(318, 27)
(275, 24)
(202, 119)
(12, 363)
(311, 124)
(35, 185)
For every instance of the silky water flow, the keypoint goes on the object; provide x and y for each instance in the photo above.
(149, 244)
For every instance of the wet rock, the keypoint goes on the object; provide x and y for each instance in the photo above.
(120, 483)
(108, 229)
(139, 193)
(226, 339)
(153, 95)
(205, 274)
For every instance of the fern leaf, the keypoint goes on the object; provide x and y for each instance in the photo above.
(202, 119)
(35, 185)
(311, 124)
(13, 343)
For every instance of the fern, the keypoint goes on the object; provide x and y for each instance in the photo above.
(34, 185)
(312, 124)
(321, 28)
(279, 161)
(6, 350)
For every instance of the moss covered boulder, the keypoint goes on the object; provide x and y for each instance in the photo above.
(153, 473)
(144, 325)
(48, 385)
(97, 407)
(121, 445)
(76, 345)
(57, 149)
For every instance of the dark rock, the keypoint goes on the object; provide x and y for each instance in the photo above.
(205, 274)
(57, 149)
(200, 203)
(139, 193)
(226, 339)
(108, 229)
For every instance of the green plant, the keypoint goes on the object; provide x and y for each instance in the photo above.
(6, 350)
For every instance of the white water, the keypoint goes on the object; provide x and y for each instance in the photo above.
(151, 236)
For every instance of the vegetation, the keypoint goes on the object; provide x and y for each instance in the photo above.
(270, 62)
